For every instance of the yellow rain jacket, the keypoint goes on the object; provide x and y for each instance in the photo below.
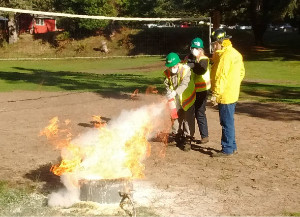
(227, 73)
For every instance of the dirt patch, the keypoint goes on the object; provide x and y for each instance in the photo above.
(262, 179)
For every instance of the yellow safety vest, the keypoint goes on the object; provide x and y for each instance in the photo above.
(188, 97)
(202, 82)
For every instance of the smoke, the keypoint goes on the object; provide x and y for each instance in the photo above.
(101, 147)
(67, 196)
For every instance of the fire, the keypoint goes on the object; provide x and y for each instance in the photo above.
(135, 93)
(98, 122)
(138, 146)
(114, 150)
(54, 134)
(52, 129)
(68, 165)
(151, 90)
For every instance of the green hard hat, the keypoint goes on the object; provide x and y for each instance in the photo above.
(197, 43)
(172, 59)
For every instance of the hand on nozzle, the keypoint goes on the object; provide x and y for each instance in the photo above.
(171, 94)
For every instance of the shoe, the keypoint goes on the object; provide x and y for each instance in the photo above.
(235, 152)
(204, 140)
(178, 138)
(221, 154)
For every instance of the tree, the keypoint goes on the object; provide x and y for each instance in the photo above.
(86, 7)
(13, 25)
(135, 8)
(42, 5)
(259, 13)
(263, 12)
(13, 17)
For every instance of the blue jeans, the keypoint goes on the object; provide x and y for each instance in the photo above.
(200, 108)
(226, 114)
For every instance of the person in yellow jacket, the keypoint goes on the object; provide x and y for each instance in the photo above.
(227, 73)
(199, 64)
(180, 87)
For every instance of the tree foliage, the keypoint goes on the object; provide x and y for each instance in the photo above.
(258, 13)
(42, 5)
(86, 7)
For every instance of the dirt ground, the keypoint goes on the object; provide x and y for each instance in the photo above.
(262, 179)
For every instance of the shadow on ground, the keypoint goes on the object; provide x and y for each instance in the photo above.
(271, 92)
(204, 150)
(270, 111)
(106, 85)
(95, 123)
(43, 174)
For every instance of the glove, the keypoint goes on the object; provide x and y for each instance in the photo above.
(171, 94)
(213, 100)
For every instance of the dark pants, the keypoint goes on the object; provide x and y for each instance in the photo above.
(226, 114)
(200, 108)
(185, 124)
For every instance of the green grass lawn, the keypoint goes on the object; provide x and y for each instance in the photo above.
(275, 80)
(119, 74)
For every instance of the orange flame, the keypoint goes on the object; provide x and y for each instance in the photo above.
(52, 129)
(68, 165)
(98, 122)
(138, 147)
(134, 95)
(151, 90)
(111, 157)
(54, 134)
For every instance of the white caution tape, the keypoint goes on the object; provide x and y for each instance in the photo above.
(55, 14)
(70, 58)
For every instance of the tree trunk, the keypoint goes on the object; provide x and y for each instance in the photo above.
(259, 19)
(259, 31)
(216, 19)
(12, 29)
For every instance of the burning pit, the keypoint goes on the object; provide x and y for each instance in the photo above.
(105, 191)
(100, 164)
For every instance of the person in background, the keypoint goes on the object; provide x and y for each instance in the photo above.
(181, 88)
(199, 64)
(227, 73)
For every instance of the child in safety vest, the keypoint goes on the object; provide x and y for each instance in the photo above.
(199, 64)
(181, 94)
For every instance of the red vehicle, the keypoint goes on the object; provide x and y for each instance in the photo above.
(185, 25)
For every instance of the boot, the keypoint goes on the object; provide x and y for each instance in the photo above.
(187, 144)
(204, 140)
(178, 139)
(171, 139)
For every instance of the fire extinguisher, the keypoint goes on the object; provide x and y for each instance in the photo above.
(172, 107)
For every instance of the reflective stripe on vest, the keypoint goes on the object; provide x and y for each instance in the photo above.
(202, 82)
(202, 85)
(189, 100)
